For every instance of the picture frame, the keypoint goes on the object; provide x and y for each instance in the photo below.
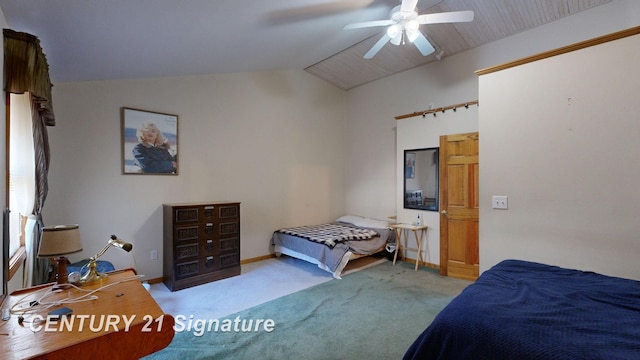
(149, 142)
(410, 165)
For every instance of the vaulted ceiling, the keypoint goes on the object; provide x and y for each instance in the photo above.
(120, 39)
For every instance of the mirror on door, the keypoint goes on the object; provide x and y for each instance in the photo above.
(421, 179)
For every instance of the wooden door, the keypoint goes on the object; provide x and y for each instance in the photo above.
(459, 200)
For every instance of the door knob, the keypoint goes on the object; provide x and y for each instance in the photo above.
(444, 212)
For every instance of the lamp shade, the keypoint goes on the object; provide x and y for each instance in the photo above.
(59, 240)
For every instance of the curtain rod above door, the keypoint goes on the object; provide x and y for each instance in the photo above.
(437, 110)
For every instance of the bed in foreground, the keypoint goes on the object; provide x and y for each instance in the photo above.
(332, 245)
(525, 310)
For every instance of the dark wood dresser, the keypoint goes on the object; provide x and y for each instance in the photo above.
(201, 243)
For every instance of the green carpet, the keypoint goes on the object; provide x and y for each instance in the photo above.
(375, 313)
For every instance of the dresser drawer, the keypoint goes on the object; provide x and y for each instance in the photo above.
(222, 261)
(188, 251)
(218, 246)
(187, 269)
(228, 228)
(228, 211)
(206, 230)
(202, 213)
(197, 266)
(206, 264)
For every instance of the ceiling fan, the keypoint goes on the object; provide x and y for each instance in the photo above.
(404, 25)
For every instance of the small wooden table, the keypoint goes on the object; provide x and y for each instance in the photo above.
(418, 232)
(124, 300)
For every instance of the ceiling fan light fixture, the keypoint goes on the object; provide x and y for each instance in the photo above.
(397, 40)
(412, 35)
(394, 31)
(411, 25)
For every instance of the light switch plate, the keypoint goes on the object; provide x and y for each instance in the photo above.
(500, 202)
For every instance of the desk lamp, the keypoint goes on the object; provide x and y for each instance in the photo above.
(93, 275)
(58, 241)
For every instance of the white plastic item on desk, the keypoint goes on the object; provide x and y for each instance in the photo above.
(419, 221)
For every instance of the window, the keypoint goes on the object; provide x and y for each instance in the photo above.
(21, 170)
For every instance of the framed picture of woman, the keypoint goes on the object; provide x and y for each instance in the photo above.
(149, 142)
(410, 165)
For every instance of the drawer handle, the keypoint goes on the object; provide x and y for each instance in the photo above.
(209, 246)
(209, 262)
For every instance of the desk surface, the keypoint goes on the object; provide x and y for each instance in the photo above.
(408, 226)
(123, 322)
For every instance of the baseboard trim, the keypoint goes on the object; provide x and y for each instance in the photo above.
(255, 259)
(154, 280)
(421, 263)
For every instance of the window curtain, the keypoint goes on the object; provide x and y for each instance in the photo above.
(26, 71)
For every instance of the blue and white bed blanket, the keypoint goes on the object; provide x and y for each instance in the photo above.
(329, 234)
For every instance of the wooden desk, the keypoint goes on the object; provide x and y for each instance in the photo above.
(418, 232)
(149, 328)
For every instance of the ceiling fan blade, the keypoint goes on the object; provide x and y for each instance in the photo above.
(446, 17)
(423, 45)
(369, 24)
(374, 50)
(408, 5)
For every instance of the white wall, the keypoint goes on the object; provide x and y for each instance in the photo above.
(570, 124)
(377, 141)
(273, 141)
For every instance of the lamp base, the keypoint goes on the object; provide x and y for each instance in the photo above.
(61, 270)
(93, 275)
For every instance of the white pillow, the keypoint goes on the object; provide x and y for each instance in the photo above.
(363, 222)
(350, 219)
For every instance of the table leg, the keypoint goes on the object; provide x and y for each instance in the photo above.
(419, 243)
(398, 241)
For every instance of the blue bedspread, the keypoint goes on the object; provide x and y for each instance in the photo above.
(524, 310)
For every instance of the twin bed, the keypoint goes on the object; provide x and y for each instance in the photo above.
(524, 310)
(331, 246)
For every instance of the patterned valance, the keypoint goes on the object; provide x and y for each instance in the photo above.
(26, 70)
